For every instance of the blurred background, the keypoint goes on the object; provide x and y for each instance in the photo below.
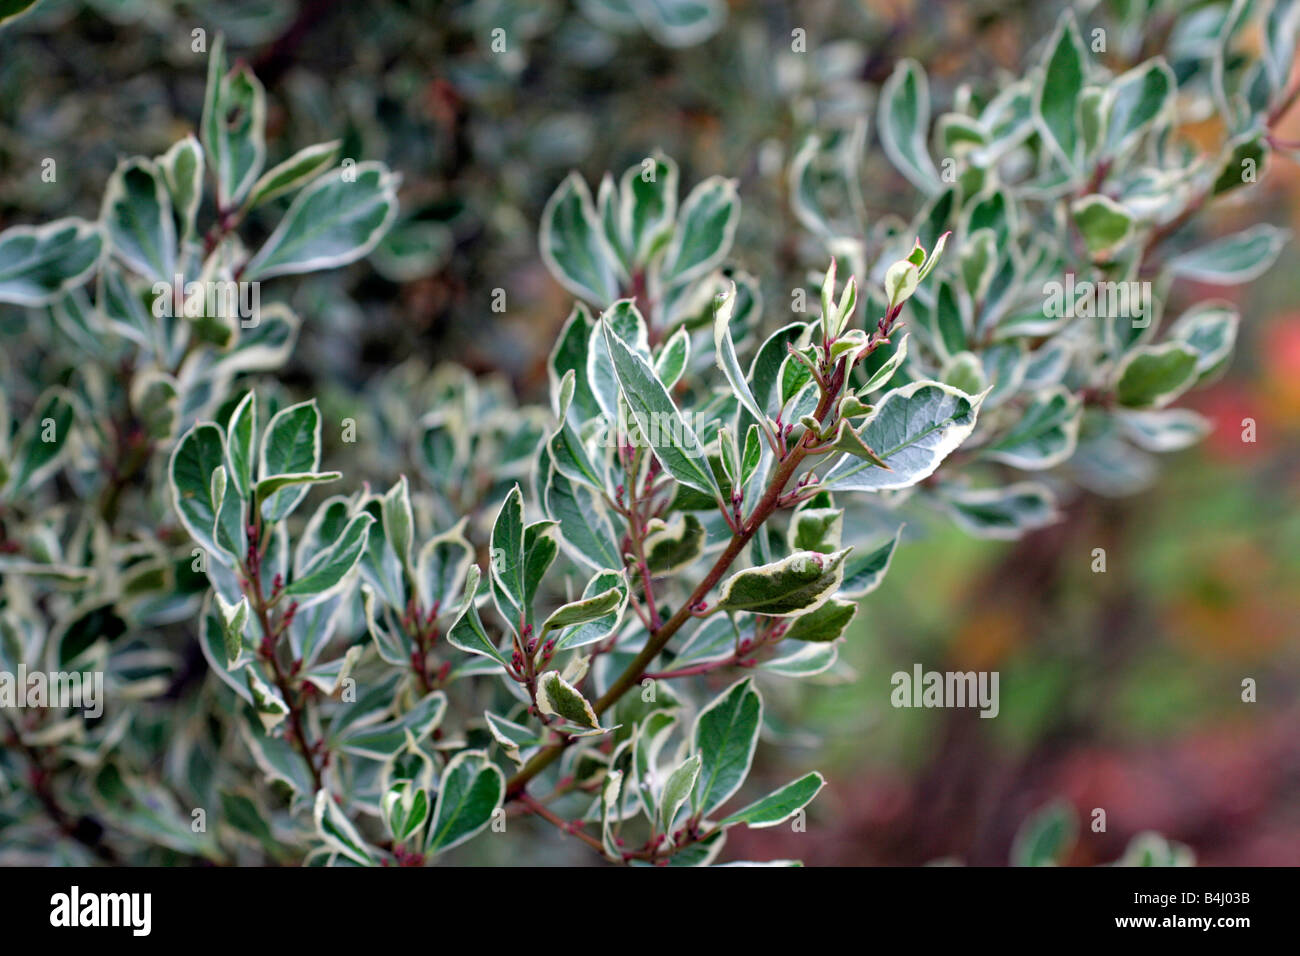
(1119, 690)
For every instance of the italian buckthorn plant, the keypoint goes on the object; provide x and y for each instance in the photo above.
(431, 617)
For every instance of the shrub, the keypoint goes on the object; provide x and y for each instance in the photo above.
(526, 617)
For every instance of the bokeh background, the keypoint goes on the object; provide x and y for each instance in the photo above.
(1119, 690)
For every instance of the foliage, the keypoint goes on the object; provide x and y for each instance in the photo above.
(527, 617)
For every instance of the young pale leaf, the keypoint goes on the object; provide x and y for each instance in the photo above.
(725, 736)
(557, 697)
(398, 521)
(780, 805)
(677, 790)
(182, 170)
(441, 568)
(1104, 224)
(234, 617)
(794, 585)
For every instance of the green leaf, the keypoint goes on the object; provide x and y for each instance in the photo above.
(398, 521)
(234, 617)
(199, 453)
(725, 354)
(677, 790)
(1046, 837)
(38, 264)
(557, 697)
(336, 220)
(405, 808)
(1002, 513)
(506, 569)
(914, 428)
(1233, 259)
(1211, 329)
(290, 446)
(677, 447)
(383, 741)
(13, 9)
(233, 127)
(268, 486)
(40, 445)
(585, 529)
(795, 584)
(1045, 434)
(337, 831)
(673, 546)
(137, 218)
(182, 170)
(1104, 224)
(725, 736)
(328, 569)
(1154, 375)
(904, 122)
(706, 226)
(584, 610)
(1057, 97)
(826, 623)
(780, 805)
(442, 566)
(1135, 100)
(241, 433)
(466, 631)
(574, 247)
(294, 173)
(648, 206)
(865, 570)
(673, 358)
(599, 628)
(1243, 162)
